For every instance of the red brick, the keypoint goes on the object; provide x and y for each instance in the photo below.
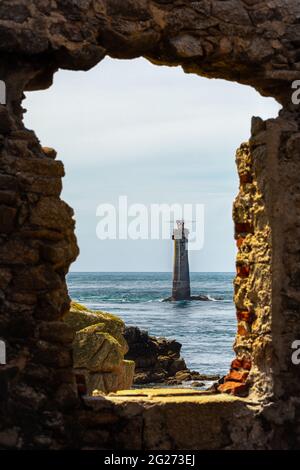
(246, 178)
(242, 270)
(240, 241)
(244, 227)
(247, 364)
(243, 330)
(235, 376)
(242, 363)
(245, 316)
(234, 388)
(237, 364)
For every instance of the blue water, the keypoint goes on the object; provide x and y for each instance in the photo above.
(206, 330)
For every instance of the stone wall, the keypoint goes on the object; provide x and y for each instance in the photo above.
(253, 264)
(37, 245)
(284, 147)
(253, 42)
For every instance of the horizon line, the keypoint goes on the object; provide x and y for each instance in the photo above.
(159, 272)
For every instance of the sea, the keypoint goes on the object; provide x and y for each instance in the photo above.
(206, 329)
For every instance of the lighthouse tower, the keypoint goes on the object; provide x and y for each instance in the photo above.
(181, 274)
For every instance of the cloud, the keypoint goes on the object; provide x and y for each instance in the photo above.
(155, 134)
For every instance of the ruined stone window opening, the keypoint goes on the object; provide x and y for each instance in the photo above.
(252, 42)
(247, 203)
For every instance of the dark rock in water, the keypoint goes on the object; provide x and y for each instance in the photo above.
(203, 298)
(198, 376)
(158, 360)
(197, 384)
(188, 375)
(200, 297)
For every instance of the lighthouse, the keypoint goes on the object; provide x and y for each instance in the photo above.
(181, 274)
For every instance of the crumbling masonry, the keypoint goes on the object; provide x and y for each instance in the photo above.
(253, 42)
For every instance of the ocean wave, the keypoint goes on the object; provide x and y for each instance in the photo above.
(210, 297)
(216, 299)
(206, 330)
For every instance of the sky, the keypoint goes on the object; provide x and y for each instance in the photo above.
(155, 135)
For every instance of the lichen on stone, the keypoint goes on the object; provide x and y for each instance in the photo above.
(99, 348)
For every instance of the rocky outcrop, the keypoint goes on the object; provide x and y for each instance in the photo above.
(99, 348)
(108, 356)
(202, 298)
(253, 42)
(158, 360)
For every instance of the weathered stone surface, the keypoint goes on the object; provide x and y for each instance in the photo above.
(37, 278)
(216, 38)
(56, 332)
(96, 350)
(119, 379)
(7, 218)
(99, 348)
(49, 152)
(174, 419)
(53, 355)
(79, 317)
(9, 438)
(246, 41)
(51, 213)
(5, 121)
(5, 277)
(17, 252)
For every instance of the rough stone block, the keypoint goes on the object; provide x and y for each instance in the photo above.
(7, 218)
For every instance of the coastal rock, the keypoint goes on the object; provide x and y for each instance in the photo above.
(79, 317)
(158, 360)
(109, 356)
(119, 379)
(155, 359)
(98, 350)
(197, 384)
(203, 298)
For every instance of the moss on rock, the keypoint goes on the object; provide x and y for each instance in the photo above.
(99, 348)
(79, 317)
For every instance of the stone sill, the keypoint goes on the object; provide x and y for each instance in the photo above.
(172, 418)
(158, 395)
